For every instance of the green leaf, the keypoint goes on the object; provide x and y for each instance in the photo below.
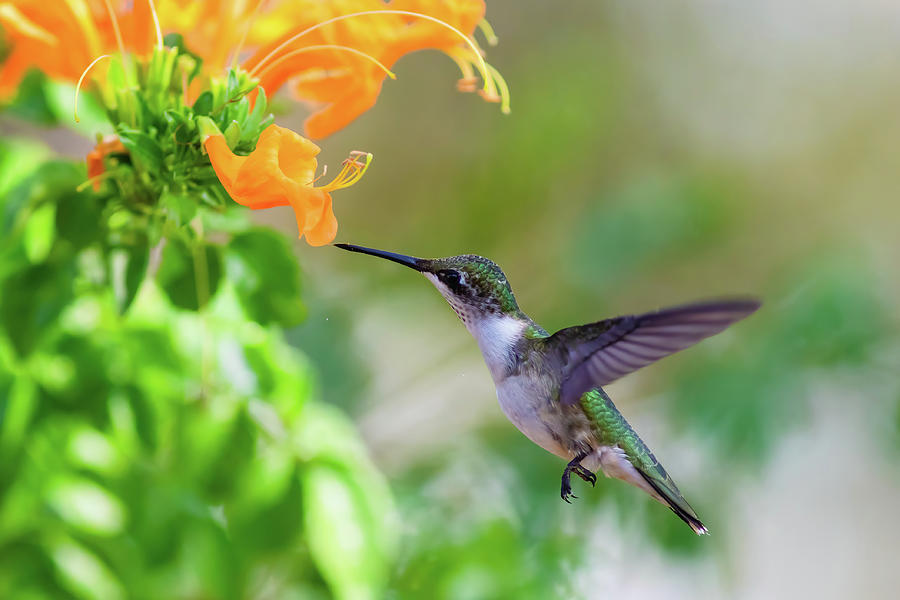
(180, 208)
(252, 123)
(31, 101)
(204, 103)
(128, 266)
(190, 275)
(233, 85)
(233, 134)
(265, 275)
(18, 160)
(32, 300)
(83, 573)
(86, 506)
(144, 149)
(79, 218)
(40, 232)
(339, 537)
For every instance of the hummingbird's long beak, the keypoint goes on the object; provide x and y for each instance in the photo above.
(410, 261)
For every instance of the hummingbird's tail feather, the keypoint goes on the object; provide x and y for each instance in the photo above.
(624, 455)
(678, 505)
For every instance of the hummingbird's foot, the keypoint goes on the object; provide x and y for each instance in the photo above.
(566, 491)
(576, 467)
(585, 474)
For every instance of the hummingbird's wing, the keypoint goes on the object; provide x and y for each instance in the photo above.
(598, 353)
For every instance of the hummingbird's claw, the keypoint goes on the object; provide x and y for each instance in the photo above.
(565, 491)
(586, 475)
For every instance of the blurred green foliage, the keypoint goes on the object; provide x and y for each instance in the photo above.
(150, 450)
(158, 437)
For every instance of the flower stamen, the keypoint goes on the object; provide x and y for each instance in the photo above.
(324, 173)
(467, 82)
(118, 32)
(243, 40)
(488, 32)
(463, 59)
(81, 80)
(502, 88)
(294, 53)
(159, 37)
(354, 167)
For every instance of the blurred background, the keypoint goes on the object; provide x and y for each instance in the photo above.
(656, 153)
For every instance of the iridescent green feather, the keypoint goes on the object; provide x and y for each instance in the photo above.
(611, 429)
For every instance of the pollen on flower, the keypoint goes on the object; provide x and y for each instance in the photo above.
(467, 84)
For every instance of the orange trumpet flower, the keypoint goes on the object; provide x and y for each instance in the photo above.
(281, 172)
(335, 54)
(312, 57)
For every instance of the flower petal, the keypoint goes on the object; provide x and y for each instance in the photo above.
(279, 172)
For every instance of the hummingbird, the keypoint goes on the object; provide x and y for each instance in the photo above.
(551, 386)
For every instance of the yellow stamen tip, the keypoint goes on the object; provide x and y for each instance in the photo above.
(488, 32)
(351, 172)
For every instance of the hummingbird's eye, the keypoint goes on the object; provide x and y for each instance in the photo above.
(450, 278)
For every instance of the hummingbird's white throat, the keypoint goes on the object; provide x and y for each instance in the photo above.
(496, 333)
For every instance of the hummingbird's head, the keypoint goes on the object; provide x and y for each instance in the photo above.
(474, 286)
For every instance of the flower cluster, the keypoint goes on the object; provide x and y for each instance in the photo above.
(185, 86)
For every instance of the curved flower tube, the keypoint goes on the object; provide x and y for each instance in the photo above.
(281, 172)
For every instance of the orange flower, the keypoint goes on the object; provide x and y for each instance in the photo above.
(59, 39)
(95, 167)
(330, 53)
(281, 172)
(348, 83)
